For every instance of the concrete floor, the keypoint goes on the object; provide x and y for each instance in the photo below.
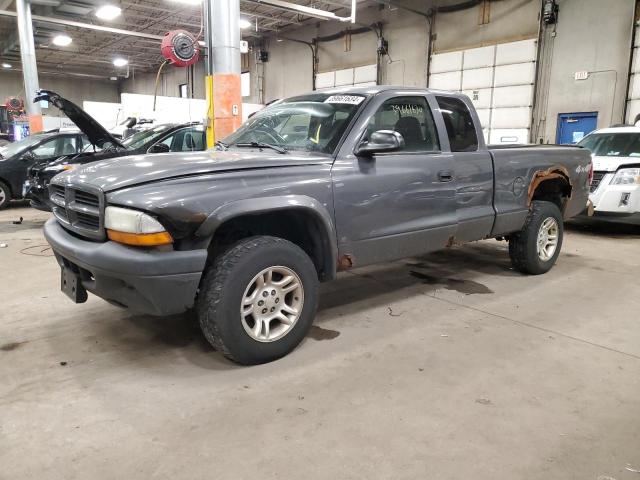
(448, 366)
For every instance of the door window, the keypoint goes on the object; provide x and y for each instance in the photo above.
(186, 140)
(46, 149)
(411, 117)
(460, 126)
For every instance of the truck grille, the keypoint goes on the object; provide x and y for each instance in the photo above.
(80, 210)
(597, 178)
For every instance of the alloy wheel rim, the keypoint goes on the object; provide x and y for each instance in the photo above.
(272, 304)
(548, 239)
(3, 195)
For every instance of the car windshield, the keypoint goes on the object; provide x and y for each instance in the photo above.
(140, 139)
(17, 147)
(624, 144)
(309, 123)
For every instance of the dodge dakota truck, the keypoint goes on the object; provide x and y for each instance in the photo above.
(309, 186)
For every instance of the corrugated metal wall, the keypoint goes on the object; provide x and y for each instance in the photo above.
(633, 98)
(499, 80)
(365, 75)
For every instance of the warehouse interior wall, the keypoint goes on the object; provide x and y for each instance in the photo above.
(76, 89)
(505, 21)
(591, 36)
(588, 33)
(168, 85)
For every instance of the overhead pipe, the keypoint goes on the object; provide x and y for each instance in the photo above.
(29, 66)
(309, 11)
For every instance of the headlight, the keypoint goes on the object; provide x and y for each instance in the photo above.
(61, 168)
(627, 176)
(133, 227)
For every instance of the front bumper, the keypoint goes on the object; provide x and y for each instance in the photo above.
(37, 194)
(144, 280)
(616, 199)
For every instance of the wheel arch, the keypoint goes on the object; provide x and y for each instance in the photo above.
(553, 185)
(297, 218)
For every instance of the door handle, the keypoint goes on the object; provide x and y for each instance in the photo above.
(445, 176)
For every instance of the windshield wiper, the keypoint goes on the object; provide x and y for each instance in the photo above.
(222, 145)
(261, 145)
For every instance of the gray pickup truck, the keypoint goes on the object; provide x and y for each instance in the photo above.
(309, 186)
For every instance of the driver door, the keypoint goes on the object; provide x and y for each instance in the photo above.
(395, 204)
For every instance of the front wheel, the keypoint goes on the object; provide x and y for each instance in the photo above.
(258, 299)
(536, 247)
(5, 195)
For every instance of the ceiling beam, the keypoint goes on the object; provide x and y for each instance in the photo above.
(89, 26)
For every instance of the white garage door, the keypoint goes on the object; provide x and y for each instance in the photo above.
(633, 99)
(499, 81)
(363, 76)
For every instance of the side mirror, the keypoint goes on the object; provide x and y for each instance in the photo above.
(159, 148)
(28, 156)
(380, 141)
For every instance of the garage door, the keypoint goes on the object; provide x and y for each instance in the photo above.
(498, 79)
(633, 99)
(363, 76)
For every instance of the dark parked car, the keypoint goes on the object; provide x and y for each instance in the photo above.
(184, 137)
(309, 186)
(40, 148)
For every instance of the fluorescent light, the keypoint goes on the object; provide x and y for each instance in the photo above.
(120, 62)
(108, 12)
(187, 2)
(244, 23)
(62, 40)
(6, 65)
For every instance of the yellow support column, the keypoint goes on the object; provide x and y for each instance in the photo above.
(211, 134)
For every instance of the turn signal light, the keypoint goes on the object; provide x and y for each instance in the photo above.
(140, 239)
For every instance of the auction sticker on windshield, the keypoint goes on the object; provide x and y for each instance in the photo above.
(349, 99)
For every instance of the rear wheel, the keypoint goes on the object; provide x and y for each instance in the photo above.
(258, 299)
(5, 195)
(536, 247)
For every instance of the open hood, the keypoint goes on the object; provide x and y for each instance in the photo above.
(96, 133)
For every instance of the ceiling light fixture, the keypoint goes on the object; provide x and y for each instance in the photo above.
(62, 40)
(108, 12)
(244, 23)
(120, 62)
(6, 65)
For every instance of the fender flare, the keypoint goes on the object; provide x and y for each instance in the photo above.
(258, 205)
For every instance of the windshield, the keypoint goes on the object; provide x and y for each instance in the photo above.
(140, 139)
(613, 144)
(310, 123)
(17, 147)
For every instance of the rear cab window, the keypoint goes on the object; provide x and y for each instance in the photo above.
(461, 129)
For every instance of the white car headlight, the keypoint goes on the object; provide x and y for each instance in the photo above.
(133, 227)
(61, 168)
(627, 176)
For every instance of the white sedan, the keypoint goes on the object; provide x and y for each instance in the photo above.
(615, 189)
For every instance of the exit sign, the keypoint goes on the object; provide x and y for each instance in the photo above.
(581, 75)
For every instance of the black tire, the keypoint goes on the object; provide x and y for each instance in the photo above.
(223, 287)
(523, 246)
(5, 195)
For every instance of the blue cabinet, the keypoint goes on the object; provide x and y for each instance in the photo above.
(572, 127)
